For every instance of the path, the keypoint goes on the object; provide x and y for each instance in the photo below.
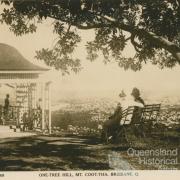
(58, 153)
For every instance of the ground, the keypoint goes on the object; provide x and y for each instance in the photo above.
(66, 152)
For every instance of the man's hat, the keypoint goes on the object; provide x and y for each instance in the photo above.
(122, 94)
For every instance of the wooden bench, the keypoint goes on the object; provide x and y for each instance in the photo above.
(137, 115)
(151, 112)
(138, 121)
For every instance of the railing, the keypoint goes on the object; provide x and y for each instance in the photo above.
(23, 117)
(9, 115)
(35, 118)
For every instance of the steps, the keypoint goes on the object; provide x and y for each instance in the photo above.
(6, 129)
(13, 132)
(15, 128)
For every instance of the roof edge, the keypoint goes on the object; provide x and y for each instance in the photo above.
(21, 71)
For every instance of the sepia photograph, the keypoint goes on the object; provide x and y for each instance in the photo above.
(89, 85)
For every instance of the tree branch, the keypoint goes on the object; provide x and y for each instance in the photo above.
(127, 39)
(159, 40)
(135, 44)
(111, 22)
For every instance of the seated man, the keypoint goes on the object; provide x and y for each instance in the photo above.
(113, 123)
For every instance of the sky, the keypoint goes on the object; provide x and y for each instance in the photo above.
(96, 78)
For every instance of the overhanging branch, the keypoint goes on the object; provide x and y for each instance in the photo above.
(159, 40)
(135, 44)
(111, 22)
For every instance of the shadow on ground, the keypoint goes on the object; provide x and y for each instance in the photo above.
(52, 153)
(72, 153)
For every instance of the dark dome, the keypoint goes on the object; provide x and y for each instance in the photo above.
(12, 60)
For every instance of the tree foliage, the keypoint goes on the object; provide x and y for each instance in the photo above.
(151, 26)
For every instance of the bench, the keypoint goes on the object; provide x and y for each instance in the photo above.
(138, 121)
(137, 115)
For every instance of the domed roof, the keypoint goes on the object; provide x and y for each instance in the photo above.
(12, 60)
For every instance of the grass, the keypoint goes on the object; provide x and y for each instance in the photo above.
(83, 151)
(68, 152)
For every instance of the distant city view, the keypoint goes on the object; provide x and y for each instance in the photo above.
(81, 111)
(108, 100)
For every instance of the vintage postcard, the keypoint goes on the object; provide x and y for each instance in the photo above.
(89, 89)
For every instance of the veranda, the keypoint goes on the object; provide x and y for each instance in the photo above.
(30, 97)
